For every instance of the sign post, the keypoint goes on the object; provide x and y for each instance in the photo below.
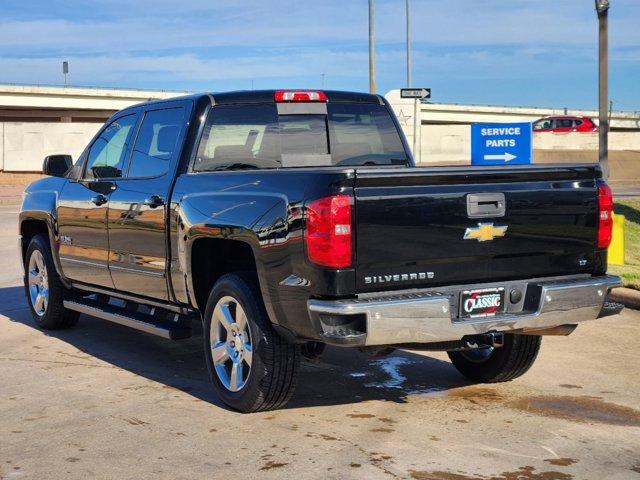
(417, 94)
(501, 144)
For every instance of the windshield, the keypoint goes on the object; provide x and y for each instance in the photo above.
(255, 136)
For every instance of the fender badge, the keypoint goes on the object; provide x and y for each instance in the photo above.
(66, 240)
(485, 232)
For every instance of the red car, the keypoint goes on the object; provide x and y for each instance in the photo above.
(565, 124)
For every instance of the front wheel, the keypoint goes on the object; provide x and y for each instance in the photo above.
(493, 365)
(44, 290)
(252, 368)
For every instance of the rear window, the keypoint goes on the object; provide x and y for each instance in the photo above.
(255, 136)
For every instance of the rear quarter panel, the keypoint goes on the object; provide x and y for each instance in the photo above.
(264, 209)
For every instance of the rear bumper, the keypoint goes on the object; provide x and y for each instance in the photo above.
(429, 316)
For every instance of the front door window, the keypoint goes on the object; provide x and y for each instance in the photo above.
(107, 153)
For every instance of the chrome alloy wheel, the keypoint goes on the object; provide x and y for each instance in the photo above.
(38, 283)
(231, 347)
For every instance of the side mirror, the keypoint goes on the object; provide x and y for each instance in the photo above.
(57, 165)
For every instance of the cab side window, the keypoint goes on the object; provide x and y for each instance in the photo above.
(107, 152)
(544, 124)
(241, 135)
(156, 142)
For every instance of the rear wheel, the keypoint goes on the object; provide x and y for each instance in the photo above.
(252, 368)
(44, 290)
(493, 365)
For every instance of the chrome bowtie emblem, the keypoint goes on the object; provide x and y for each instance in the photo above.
(485, 232)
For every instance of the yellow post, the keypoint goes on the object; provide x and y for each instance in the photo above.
(616, 249)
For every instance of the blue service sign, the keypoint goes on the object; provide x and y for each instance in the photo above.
(501, 144)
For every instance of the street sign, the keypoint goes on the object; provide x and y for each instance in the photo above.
(501, 144)
(415, 93)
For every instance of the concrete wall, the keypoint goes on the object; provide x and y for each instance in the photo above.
(24, 145)
(585, 141)
(445, 143)
(1, 146)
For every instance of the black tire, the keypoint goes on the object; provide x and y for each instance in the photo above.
(55, 316)
(501, 364)
(274, 363)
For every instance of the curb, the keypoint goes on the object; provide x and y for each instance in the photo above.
(627, 296)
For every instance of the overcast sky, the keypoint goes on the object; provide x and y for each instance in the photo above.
(512, 52)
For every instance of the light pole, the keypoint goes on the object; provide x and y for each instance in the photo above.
(372, 48)
(65, 71)
(602, 8)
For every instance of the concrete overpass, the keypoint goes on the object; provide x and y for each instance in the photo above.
(458, 114)
(36, 121)
(28, 103)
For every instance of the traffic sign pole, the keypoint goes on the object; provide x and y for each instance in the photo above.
(417, 94)
(415, 131)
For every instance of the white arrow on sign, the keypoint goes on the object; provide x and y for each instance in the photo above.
(507, 157)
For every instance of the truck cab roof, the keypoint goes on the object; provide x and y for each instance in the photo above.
(268, 96)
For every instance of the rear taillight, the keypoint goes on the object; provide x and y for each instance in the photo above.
(605, 216)
(328, 235)
(300, 96)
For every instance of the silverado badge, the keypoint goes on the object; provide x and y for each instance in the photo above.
(485, 232)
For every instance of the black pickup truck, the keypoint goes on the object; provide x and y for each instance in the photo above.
(285, 221)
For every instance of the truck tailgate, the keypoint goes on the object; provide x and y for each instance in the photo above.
(411, 224)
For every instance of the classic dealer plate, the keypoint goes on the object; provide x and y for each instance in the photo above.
(481, 303)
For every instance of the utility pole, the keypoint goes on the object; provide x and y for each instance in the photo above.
(372, 48)
(602, 8)
(408, 13)
(416, 101)
(322, 75)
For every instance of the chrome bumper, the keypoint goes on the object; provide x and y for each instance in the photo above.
(426, 317)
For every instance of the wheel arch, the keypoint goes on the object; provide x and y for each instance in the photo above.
(29, 228)
(39, 223)
(38, 216)
(210, 258)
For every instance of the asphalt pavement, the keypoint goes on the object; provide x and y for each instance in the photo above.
(102, 401)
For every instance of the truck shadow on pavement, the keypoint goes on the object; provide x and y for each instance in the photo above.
(341, 376)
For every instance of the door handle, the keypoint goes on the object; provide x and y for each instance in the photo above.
(99, 199)
(154, 201)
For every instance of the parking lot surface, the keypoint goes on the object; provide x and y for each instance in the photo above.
(104, 401)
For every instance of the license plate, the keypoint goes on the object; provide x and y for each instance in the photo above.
(481, 303)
